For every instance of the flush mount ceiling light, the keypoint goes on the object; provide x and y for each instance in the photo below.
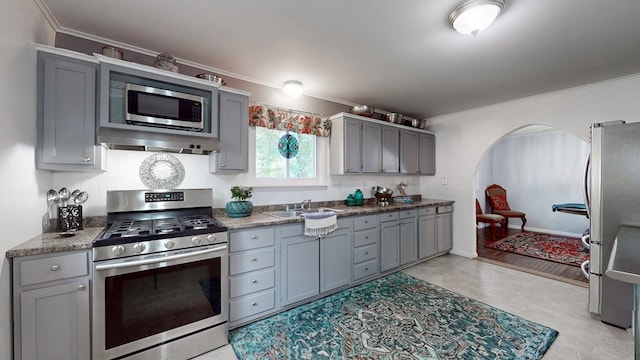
(292, 88)
(473, 16)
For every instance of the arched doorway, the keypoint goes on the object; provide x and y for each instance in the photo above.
(539, 166)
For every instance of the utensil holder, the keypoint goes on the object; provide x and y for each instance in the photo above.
(70, 218)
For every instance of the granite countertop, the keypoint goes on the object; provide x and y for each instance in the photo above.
(52, 242)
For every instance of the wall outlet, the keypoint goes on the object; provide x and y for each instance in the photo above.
(445, 181)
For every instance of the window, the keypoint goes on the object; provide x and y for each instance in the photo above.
(282, 158)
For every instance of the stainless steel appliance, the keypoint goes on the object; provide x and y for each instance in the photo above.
(613, 201)
(160, 273)
(161, 107)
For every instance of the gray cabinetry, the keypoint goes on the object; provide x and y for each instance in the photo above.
(51, 306)
(66, 112)
(389, 241)
(300, 265)
(234, 123)
(390, 150)
(417, 153)
(427, 154)
(252, 274)
(435, 228)
(371, 147)
(444, 222)
(363, 145)
(366, 241)
(335, 259)
(427, 235)
(408, 237)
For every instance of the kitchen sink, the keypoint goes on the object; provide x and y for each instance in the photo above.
(296, 213)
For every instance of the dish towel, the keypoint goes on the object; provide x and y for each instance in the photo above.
(319, 224)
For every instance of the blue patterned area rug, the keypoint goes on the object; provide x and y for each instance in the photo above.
(394, 317)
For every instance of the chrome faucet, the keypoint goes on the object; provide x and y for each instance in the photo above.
(307, 202)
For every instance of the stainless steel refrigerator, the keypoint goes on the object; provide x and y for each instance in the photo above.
(613, 199)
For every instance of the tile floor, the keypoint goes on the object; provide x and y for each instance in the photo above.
(556, 304)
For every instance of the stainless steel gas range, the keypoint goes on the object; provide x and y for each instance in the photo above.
(160, 276)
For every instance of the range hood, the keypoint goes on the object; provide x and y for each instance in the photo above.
(144, 140)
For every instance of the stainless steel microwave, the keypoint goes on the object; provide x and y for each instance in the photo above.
(146, 105)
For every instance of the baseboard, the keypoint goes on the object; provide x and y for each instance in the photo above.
(546, 231)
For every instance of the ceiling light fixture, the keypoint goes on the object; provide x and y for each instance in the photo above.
(292, 88)
(473, 16)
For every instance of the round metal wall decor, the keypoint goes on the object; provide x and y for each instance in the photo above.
(161, 171)
(288, 146)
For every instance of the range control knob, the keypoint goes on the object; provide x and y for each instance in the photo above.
(117, 250)
(169, 244)
(211, 238)
(138, 247)
(196, 240)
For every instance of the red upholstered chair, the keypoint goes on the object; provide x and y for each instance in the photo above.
(497, 197)
(491, 219)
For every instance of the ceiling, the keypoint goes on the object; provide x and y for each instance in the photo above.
(400, 56)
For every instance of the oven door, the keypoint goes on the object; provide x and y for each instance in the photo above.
(146, 301)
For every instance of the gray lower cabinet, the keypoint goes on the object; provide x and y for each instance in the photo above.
(299, 264)
(389, 241)
(435, 231)
(444, 224)
(51, 313)
(366, 243)
(408, 236)
(66, 113)
(427, 232)
(233, 121)
(335, 259)
(252, 274)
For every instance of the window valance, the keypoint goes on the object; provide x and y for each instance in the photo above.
(288, 120)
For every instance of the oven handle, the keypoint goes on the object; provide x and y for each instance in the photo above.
(158, 259)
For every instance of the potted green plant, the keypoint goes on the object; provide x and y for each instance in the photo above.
(239, 207)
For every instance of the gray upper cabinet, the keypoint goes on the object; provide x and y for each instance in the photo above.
(409, 163)
(427, 151)
(66, 112)
(390, 150)
(362, 145)
(234, 124)
(371, 147)
(51, 307)
(417, 153)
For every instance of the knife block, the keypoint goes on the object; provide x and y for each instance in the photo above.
(70, 218)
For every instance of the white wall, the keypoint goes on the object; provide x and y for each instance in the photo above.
(538, 170)
(24, 188)
(463, 138)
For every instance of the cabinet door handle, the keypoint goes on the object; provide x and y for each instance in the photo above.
(81, 287)
(223, 165)
(254, 259)
(366, 253)
(366, 238)
(254, 304)
(254, 237)
(254, 281)
(55, 267)
(86, 159)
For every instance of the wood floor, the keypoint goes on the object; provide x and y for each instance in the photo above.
(550, 269)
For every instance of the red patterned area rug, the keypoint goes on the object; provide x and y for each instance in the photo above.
(558, 248)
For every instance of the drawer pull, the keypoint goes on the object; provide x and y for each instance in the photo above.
(254, 281)
(254, 304)
(366, 238)
(55, 267)
(81, 287)
(366, 253)
(366, 221)
(254, 237)
(254, 259)
(366, 269)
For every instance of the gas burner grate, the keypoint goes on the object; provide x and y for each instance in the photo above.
(166, 225)
(198, 221)
(129, 228)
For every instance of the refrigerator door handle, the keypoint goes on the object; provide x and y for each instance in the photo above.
(583, 267)
(585, 193)
(585, 240)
